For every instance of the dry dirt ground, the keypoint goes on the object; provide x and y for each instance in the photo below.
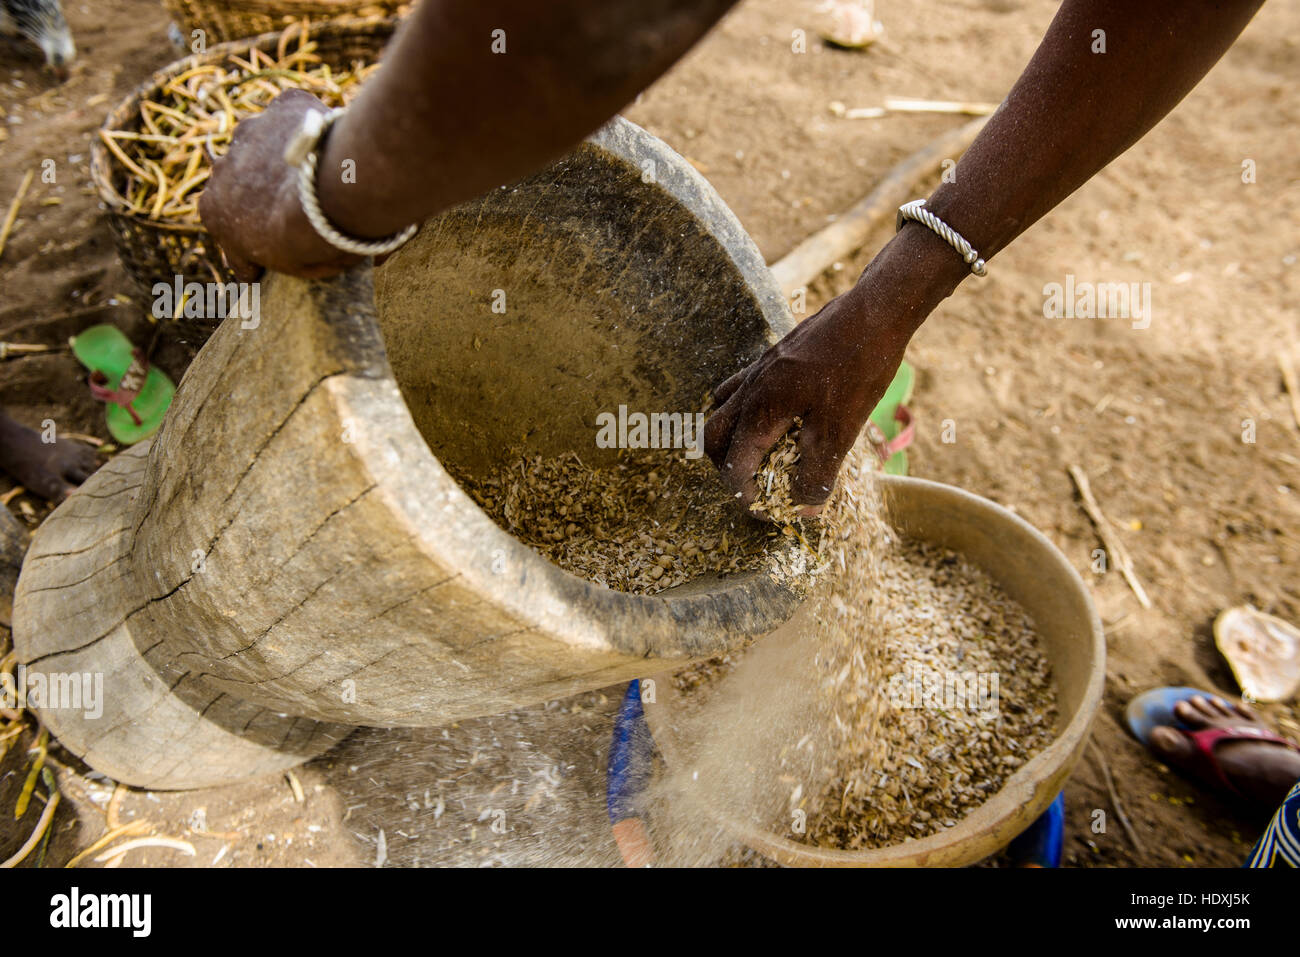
(1155, 416)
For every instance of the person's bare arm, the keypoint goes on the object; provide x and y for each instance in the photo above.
(1071, 112)
(445, 119)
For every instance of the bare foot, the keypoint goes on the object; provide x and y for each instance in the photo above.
(48, 469)
(1261, 770)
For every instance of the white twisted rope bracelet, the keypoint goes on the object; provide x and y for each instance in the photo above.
(916, 211)
(302, 152)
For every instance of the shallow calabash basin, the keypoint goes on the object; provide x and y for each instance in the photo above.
(1033, 572)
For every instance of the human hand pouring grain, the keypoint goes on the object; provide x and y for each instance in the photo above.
(450, 117)
(808, 397)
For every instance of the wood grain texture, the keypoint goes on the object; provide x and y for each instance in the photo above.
(291, 558)
(156, 728)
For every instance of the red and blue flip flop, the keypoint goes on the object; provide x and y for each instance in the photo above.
(1155, 708)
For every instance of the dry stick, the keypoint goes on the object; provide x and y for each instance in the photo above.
(1292, 386)
(12, 215)
(850, 231)
(114, 803)
(46, 816)
(1114, 797)
(41, 751)
(75, 314)
(296, 787)
(176, 844)
(83, 437)
(859, 113)
(8, 349)
(132, 828)
(907, 105)
(1114, 547)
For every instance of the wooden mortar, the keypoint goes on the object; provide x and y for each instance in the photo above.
(289, 557)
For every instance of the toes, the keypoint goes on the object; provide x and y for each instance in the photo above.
(1247, 712)
(1193, 712)
(1223, 708)
(1205, 708)
(1171, 745)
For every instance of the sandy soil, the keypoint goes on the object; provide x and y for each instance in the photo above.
(1155, 416)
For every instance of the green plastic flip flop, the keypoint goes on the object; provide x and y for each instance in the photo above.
(890, 428)
(136, 394)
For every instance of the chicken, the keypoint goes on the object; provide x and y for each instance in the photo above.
(41, 22)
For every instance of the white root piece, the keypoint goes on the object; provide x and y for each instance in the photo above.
(185, 847)
(908, 105)
(904, 105)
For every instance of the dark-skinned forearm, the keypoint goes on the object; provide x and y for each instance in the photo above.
(447, 119)
(1071, 112)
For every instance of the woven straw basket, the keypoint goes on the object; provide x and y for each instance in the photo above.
(154, 251)
(225, 20)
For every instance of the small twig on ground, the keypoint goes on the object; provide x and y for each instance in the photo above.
(133, 827)
(12, 216)
(1114, 797)
(88, 310)
(14, 349)
(37, 833)
(1292, 386)
(1114, 547)
(851, 229)
(114, 804)
(117, 853)
(40, 835)
(296, 787)
(83, 437)
(908, 105)
(39, 750)
(226, 836)
(1118, 623)
(52, 796)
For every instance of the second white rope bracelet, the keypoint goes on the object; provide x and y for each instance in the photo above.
(302, 152)
(916, 212)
